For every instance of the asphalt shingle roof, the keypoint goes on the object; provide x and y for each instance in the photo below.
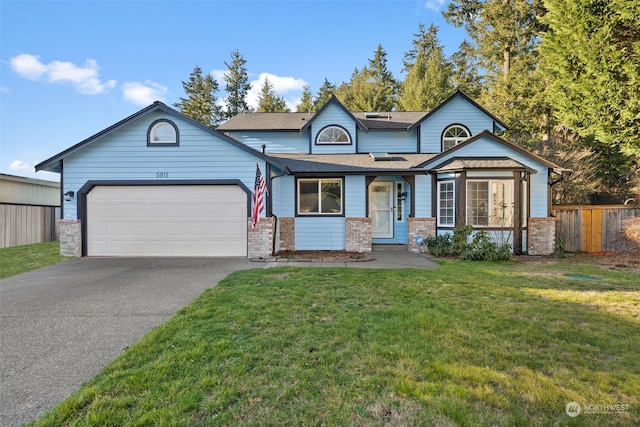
(350, 163)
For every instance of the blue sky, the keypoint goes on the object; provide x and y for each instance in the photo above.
(69, 69)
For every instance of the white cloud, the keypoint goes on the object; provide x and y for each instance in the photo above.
(434, 4)
(19, 165)
(145, 93)
(288, 87)
(218, 75)
(84, 78)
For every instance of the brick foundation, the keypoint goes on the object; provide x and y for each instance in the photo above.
(541, 236)
(260, 239)
(287, 234)
(420, 227)
(70, 235)
(358, 234)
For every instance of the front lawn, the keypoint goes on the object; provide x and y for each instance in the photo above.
(20, 259)
(470, 343)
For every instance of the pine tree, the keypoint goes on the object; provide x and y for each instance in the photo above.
(269, 101)
(237, 86)
(326, 91)
(306, 102)
(429, 79)
(201, 101)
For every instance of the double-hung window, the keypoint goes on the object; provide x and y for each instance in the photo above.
(446, 203)
(320, 196)
(490, 203)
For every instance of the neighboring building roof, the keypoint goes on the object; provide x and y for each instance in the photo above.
(53, 164)
(314, 164)
(457, 164)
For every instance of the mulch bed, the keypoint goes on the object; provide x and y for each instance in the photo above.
(324, 256)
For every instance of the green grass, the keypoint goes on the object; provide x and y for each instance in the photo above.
(466, 344)
(20, 259)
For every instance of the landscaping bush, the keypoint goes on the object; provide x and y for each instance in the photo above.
(480, 248)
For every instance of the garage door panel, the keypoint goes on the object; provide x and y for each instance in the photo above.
(203, 220)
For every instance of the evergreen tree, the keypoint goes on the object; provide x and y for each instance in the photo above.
(306, 102)
(201, 101)
(237, 85)
(466, 76)
(429, 78)
(326, 91)
(269, 101)
(591, 59)
(371, 89)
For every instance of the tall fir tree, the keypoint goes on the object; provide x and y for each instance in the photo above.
(237, 85)
(371, 89)
(201, 102)
(326, 91)
(429, 80)
(306, 103)
(269, 101)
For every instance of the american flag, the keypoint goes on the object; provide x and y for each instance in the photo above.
(258, 197)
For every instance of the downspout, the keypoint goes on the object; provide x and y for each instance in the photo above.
(277, 223)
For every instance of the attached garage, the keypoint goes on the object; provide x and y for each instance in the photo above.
(166, 220)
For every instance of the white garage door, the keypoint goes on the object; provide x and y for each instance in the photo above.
(172, 220)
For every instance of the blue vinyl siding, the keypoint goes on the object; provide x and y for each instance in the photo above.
(320, 233)
(387, 141)
(423, 196)
(459, 111)
(284, 190)
(275, 142)
(333, 115)
(355, 193)
(124, 155)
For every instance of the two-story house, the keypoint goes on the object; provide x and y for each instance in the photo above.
(159, 183)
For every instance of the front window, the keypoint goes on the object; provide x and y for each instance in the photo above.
(333, 135)
(453, 136)
(490, 203)
(446, 203)
(320, 196)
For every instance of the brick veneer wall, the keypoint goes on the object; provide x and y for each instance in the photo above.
(70, 235)
(541, 236)
(260, 239)
(420, 227)
(287, 234)
(358, 238)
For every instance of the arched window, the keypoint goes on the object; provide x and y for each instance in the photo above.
(454, 135)
(162, 132)
(333, 135)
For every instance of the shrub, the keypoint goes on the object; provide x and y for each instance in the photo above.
(480, 248)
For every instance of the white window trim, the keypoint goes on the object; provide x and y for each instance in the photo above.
(490, 202)
(327, 128)
(154, 127)
(455, 140)
(399, 202)
(319, 213)
(453, 182)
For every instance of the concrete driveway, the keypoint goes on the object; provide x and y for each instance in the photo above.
(61, 325)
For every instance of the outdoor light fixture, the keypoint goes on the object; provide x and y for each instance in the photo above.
(68, 196)
(403, 195)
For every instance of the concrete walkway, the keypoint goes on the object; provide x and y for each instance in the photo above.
(61, 325)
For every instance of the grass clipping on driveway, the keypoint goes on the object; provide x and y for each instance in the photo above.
(465, 344)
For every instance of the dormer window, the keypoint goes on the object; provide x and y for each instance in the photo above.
(162, 133)
(454, 135)
(333, 135)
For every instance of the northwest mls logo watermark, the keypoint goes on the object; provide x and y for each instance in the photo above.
(573, 409)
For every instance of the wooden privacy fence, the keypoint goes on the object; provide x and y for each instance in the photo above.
(25, 224)
(593, 228)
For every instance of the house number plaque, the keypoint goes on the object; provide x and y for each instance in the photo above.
(162, 174)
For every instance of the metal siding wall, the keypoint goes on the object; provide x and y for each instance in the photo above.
(19, 191)
(320, 233)
(459, 111)
(333, 115)
(124, 155)
(276, 142)
(355, 195)
(387, 141)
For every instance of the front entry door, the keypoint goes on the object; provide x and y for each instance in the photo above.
(381, 209)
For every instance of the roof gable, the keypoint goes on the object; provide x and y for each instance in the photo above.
(451, 153)
(53, 164)
(460, 94)
(336, 102)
